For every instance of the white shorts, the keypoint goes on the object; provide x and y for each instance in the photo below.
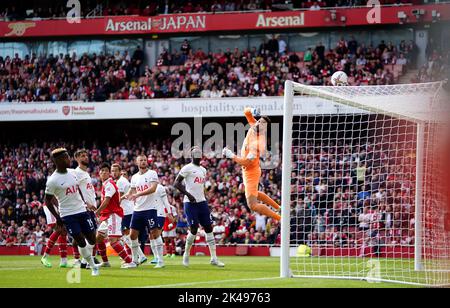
(112, 227)
(51, 220)
(171, 233)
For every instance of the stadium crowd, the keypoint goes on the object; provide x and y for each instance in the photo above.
(343, 194)
(193, 73)
(23, 173)
(50, 9)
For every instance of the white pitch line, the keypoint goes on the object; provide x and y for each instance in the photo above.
(18, 268)
(188, 284)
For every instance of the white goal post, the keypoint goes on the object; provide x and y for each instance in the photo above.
(361, 196)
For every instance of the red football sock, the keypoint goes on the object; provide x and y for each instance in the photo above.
(62, 241)
(128, 249)
(168, 247)
(121, 252)
(173, 247)
(94, 250)
(102, 250)
(51, 242)
(76, 252)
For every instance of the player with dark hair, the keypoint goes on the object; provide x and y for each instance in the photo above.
(63, 185)
(191, 182)
(87, 189)
(253, 147)
(110, 214)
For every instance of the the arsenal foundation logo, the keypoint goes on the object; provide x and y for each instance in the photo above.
(66, 110)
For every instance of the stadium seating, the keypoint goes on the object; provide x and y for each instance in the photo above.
(99, 77)
(51, 9)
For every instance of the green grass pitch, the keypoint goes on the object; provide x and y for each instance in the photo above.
(240, 272)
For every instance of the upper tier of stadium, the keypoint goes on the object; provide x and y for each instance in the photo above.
(21, 9)
(193, 73)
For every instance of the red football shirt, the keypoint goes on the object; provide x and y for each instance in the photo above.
(109, 189)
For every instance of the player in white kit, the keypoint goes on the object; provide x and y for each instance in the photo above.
(88, 191)
(191, 182)
(63, 186)
(163, 207)
(121, 178)
(142, 193)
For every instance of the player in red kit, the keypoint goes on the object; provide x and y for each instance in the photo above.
(59, 235)
(169, 231)
(110, 214)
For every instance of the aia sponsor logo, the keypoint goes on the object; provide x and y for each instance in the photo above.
(199, 180)
(71, 190)
(141, 188)
(66, 110)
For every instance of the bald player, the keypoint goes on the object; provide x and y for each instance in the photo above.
(252, 148)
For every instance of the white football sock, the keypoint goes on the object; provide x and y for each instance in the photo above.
(156, 251)
(135, 250)
(127, 241)
(153, 248)
(141, 253)
(160, 248)
(212, 245)
(190, 239)
(86, 252)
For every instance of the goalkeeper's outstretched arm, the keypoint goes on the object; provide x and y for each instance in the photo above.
(243, 161)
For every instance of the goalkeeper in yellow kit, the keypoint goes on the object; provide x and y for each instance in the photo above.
(252, 148)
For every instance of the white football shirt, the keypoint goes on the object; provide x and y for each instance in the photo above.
(142, 182)
(86, 187)
(162, 201)
(194, 180)
(49, 216)
(124, 186)
(64, 186)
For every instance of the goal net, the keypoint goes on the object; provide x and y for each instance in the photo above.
(362, 189)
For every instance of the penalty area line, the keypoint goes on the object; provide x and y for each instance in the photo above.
(18, 268)
(188, 284)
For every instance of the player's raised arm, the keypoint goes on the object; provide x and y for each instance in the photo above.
(250, 114)
(179, 185)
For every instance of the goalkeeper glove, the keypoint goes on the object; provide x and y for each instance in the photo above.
(256, 112)
(227, 153)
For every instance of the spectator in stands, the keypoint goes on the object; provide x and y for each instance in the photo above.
(235, 239)
(216, 7)
(282, 47)
(138, 58)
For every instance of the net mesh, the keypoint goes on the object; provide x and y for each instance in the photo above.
(358, 176)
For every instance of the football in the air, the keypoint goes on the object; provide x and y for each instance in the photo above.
(339, 78)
